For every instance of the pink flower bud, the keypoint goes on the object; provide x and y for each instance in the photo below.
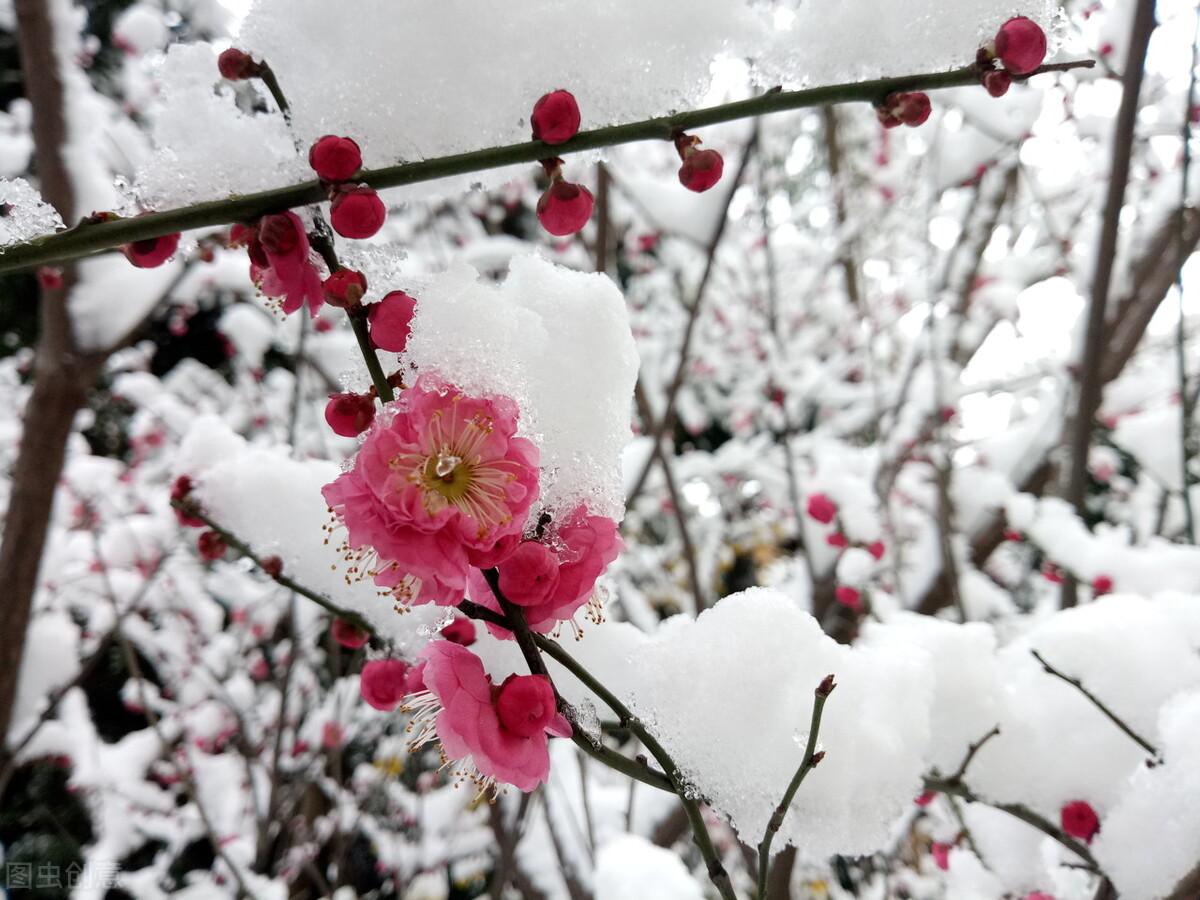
(941, 855)
(526, 704)
(350, 414)
(565, 208)
(1079, 820)
(529, 575)
(837, 539)
(925, 799)
(555, 117)
(821, 508)
(348, 634)
(152, 252)
(1101, 584)
(357, 212)
(382, 683)
(211, 545)
(1011, 534)
(849, 597)
(335, 158)
(344, 288)
(390, 321)
(460, 631)
(876, 549)
(701, 169)
(235, 65)
(1021, 45)
(272, 566)
(997, 82)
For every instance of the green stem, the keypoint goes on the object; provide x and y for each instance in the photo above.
(93, 238)
(358, 321)
(807, 764)
(531, 643)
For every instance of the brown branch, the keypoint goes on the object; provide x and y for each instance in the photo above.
(62, 378)
(1091, 379)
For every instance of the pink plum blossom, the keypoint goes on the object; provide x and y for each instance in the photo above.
(439, 482)
(495, 733)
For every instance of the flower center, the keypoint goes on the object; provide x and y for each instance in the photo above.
(446, 474)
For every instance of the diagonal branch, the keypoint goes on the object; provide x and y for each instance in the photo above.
(1099, 704)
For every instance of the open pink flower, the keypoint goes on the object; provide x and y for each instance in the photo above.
(583, 547)
(494, 733)
(439, 482)
(281, 263)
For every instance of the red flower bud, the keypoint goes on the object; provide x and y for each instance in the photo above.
(460, 631)
(837, 539)
(390, 321)
(904, 108)
(1021, 45)
(701, 169)
(555, 117)
(1101, 584)
(181, 493)
(152, 252)
(565, 208)
(357, 212)
(997, 82)
(236, 65)
(348, 634)
(349, 414)
(1079, 820)
(821, 508)
(345, 288)
(211, 545)
(335, 158)
(526, 704)
(272, 566)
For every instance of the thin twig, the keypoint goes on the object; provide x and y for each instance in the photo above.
(809, 762)
(1181, 254)
(667, 421)
(1099, 704)
(972, 749)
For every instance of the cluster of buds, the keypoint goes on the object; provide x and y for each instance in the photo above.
(565, 207)
(1018, 48)
(355, 210)
(700, 169)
